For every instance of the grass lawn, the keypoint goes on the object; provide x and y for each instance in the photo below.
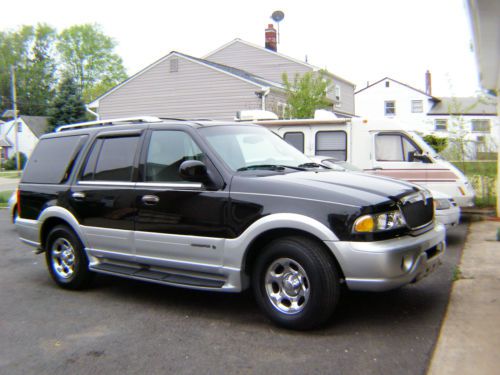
(4, 197)
(9, 174)
(477, 168)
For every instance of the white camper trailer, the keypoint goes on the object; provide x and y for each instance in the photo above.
(379, 147)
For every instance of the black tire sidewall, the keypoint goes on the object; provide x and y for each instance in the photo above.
(81, 272)
(316, 311)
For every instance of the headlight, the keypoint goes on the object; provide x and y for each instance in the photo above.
(442, 204)
(379, 222)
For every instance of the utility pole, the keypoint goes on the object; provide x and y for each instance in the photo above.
(14, 107)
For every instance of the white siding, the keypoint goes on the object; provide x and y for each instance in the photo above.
(266, 64)
(194, 91)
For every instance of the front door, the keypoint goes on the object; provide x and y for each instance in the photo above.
(177, 221)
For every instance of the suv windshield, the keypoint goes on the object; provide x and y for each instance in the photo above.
(245, 147)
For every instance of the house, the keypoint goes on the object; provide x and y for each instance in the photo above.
(270, 64)
(30, 129)
(417, 110)
(235, 77)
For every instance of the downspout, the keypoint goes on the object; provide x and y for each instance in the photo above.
(92, 112)
(265, 93)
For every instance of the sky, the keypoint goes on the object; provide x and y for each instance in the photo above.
(361, 41)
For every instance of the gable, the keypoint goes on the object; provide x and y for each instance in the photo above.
(259, 61)
(186, 88)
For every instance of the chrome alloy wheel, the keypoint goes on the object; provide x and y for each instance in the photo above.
(63, 258)
(287, 286)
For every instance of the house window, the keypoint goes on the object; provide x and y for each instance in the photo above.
(417, 106)
(337, 93)
(332, 143)
(387, 84)
(441, 124)
(174, 65)
(390, 107)
(19, 127)
(296, 139)
(481, 126)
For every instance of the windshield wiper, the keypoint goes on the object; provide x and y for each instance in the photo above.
(272, 167)
(311, 165)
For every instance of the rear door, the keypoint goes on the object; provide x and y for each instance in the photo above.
(103, 196)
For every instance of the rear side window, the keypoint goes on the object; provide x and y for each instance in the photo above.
(332, 143)
(111, 159)
(53, 159)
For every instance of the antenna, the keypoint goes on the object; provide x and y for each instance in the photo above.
(277, 17)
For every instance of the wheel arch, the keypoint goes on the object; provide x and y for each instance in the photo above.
(53, 216)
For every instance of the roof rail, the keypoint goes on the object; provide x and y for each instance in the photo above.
(116, 121)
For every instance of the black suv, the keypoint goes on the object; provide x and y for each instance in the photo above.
(222, 207)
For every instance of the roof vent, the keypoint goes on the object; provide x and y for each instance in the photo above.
(255, 115)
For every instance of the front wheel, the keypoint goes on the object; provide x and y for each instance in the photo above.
(296, 283)
(66, 259)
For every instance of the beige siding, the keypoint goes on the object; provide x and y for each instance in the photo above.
(271, 66)
(258, 61)
(194, 91)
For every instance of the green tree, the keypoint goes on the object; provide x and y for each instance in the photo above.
(437, 143)
(30, 50)
(87, 55)
(68, 106)
(306, 94)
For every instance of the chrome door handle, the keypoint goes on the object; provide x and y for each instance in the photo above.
(150, 200)
(78, 195)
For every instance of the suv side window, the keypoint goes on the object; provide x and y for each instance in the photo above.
(393, 147)
(53, 159)
(111, 159)
(167, 150)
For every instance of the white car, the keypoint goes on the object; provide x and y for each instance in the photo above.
(13, 206)
(447, 211)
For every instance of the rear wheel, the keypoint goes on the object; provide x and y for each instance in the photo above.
(66, 259)
(296, 283)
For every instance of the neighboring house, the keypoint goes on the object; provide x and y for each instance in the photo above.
(420, 111)
(270, 64)
(217, 87)
(30, 129)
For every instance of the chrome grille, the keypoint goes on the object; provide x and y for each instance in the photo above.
(418, 209)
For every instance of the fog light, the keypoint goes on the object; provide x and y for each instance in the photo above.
(407, 263)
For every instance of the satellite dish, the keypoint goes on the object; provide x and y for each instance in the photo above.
(278, 16)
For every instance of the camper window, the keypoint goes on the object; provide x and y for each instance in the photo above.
(296, 139)
(332, 143)
(394, 147)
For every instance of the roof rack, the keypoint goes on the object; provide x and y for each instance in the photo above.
(116, 121)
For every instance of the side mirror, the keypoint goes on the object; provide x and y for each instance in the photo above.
(193, 170)
(415, 156)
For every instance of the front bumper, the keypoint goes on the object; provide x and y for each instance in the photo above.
(389, 264)
(449, 217)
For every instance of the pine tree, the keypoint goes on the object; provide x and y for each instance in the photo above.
(68, 106)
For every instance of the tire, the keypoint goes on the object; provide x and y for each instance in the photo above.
(296, 283)
(67, 262)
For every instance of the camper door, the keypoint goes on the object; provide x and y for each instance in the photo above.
(396, 155)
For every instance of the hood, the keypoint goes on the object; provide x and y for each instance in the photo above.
(355, 189)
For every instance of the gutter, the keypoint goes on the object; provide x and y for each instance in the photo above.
(87, 108)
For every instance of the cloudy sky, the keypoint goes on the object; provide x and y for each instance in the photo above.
(359, 40)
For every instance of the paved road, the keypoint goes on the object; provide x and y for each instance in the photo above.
(128, 327)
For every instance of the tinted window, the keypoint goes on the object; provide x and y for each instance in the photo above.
(53, 159)
(296, 139)
(88, 172)
(167, 150)
(116, 159)
(393, 147)
(332, 143)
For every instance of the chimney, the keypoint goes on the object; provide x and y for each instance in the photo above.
(428, 83)
(271, 38)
